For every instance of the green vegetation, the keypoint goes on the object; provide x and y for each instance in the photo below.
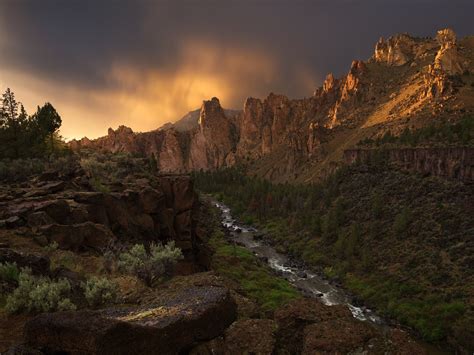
(22, 169)
(431, 315)
(106, 168)
(399, 241)
(51, 247)
(99, 291)
(30, 145)
(39, 294)
(255, 279)
(24, 136)
(9, 272)
(150, 266)
(444, 133)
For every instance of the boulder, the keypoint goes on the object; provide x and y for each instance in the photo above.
(48, 176)
(79, 237)
(52, 187)
(13, 222)
(57, 209)
(251, 336)
(338, 336)
(89, 197)
(38, 264)
(192, 315)
(37, 219)
(294, 317)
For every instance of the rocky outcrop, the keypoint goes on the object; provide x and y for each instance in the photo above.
(213, 144)
(448, 63)
(172, 325)
(78, 219)
(38, 264)
(448, 59)
(306, 326)
(350, 94)
(80, 236)
(251, 336)
(406, 78)
(297, 315)
(396, 51)
(451, 163)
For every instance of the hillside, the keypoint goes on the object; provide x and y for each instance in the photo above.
(408, 82)
(401, 242)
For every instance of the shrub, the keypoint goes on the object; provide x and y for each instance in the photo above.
(51, 247)
(39, 294)
(99, 291)
(402, 220)
(150, 266)
(9, 272)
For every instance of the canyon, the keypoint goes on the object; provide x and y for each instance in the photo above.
(408, 82)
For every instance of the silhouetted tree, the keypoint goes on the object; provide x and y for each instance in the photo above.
(22, 136)
(48, 121)
(12, 124)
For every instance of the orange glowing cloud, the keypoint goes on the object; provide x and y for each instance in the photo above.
(145, 99)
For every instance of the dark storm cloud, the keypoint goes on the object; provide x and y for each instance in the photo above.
(79, 43)
(78, 40)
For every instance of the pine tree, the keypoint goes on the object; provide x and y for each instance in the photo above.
(13, 125)
(48, 121)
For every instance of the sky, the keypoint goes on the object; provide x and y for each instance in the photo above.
(143, 63)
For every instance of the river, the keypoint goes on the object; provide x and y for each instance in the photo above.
(309, 283)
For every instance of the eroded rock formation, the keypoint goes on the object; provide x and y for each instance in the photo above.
(406, 78)
(81, 220)
(452, 163)
(397, 50)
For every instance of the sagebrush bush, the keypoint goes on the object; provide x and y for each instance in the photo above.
(39, 294)
(99, 291)
(51, 247)
(23, 169)
(150, 266)
(9, 272)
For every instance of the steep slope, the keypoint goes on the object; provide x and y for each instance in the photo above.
(408, 82)
(401, 242)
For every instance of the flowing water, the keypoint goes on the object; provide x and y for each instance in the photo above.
(308, 282)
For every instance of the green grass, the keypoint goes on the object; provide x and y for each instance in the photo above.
(429, 314)
(255, 279)
(403, 236)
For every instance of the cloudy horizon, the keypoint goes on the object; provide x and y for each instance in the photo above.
(145, 63)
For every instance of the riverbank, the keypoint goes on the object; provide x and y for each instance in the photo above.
(401, 243)
(309, 281)
(260, 275)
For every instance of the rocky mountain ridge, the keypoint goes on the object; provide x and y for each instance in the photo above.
(408, 82)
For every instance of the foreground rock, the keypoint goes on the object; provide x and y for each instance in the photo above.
(193, 315)
(137, 209)
(251, 336)
(296, 316)
(306, 326)
(38, 264)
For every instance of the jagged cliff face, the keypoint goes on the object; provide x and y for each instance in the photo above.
(407, 82)
(451, 163)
